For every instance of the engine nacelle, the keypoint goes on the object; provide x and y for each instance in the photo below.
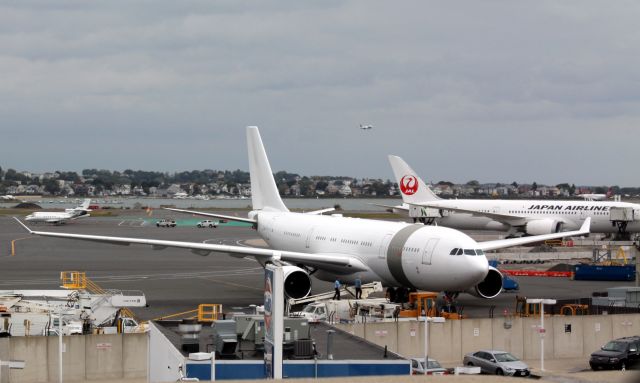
(490, 287)
(297, 282)
(543, 226)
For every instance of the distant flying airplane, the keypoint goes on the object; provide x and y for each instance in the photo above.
(531, 217)
(366, 127)
(55, 217)
(399, 254)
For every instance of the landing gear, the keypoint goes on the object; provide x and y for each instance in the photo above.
(426, 220)
(622, 229)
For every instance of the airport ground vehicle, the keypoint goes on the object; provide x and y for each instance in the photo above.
(418, 301)
(618, 354)
(349, 310)
(166, 223)
(208, 223)
(497, 362)
(434, 367)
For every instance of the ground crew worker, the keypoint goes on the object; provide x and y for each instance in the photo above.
(336, 285)
(358, 285)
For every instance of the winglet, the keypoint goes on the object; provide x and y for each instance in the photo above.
(23, 225)
(586, 226)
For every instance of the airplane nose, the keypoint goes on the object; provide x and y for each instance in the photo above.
(478, 267)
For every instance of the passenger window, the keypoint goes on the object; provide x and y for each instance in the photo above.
(454, 251)
(469, 252)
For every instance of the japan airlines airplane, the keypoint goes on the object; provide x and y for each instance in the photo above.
(57, 218)
(397, 253)
(531, 217)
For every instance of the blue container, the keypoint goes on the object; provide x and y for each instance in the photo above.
(604, 273)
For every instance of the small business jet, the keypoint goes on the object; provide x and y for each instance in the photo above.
(596, 196)
(366, 127)
(399, 254)
(530, 217)
(58, 218)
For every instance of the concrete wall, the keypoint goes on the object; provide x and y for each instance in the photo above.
(565, 336)
(84, 358)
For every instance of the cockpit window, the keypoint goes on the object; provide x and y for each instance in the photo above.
(469, 252)
(459, 252)
(479, 252)
(454, 251)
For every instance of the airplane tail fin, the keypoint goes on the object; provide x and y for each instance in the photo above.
(264, 193)
(412, 188)
(85, 204)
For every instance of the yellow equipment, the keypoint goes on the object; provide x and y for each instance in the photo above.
(422, 303)
(574, 309)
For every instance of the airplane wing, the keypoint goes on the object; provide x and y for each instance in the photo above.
(214, 215)
(321, 211)
(502, 243)
(512, 220)
(403, 207)
(307, 259)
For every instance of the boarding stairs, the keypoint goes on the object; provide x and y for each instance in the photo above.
(345, 292)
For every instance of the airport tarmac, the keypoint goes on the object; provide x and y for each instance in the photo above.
(176, 280)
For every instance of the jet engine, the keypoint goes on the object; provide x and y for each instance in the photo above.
(297, 283)
(490, 287)
(543, 226)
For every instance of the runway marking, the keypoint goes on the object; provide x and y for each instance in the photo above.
(148, 277)
(13, 244)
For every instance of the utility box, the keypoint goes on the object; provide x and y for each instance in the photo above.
(624, 214)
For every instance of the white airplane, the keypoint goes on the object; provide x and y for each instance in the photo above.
(333, 247)
(366, 127)
(531, 217)
(57, 218)
(7, 197)
(596, 196)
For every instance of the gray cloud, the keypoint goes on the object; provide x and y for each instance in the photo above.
(494, 90)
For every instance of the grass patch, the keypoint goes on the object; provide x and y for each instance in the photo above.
(16, 212)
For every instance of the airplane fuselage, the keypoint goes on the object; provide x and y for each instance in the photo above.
(397, 253)
(570, 213)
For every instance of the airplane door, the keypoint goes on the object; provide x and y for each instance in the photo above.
(383, 246)
(428, 250)
(496, 210)
(309, 236)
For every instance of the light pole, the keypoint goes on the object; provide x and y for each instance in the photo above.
(60, 345)
(542, 330)
(426, 338)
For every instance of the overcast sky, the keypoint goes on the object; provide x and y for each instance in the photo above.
(497, 91)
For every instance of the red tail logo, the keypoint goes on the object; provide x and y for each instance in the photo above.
(409, 185)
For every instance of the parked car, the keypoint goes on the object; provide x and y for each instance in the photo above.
(434, 368)
(166, 223)
(208, 223)
(497, 362)
(619, 354)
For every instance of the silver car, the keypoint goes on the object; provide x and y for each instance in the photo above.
(496, 362)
